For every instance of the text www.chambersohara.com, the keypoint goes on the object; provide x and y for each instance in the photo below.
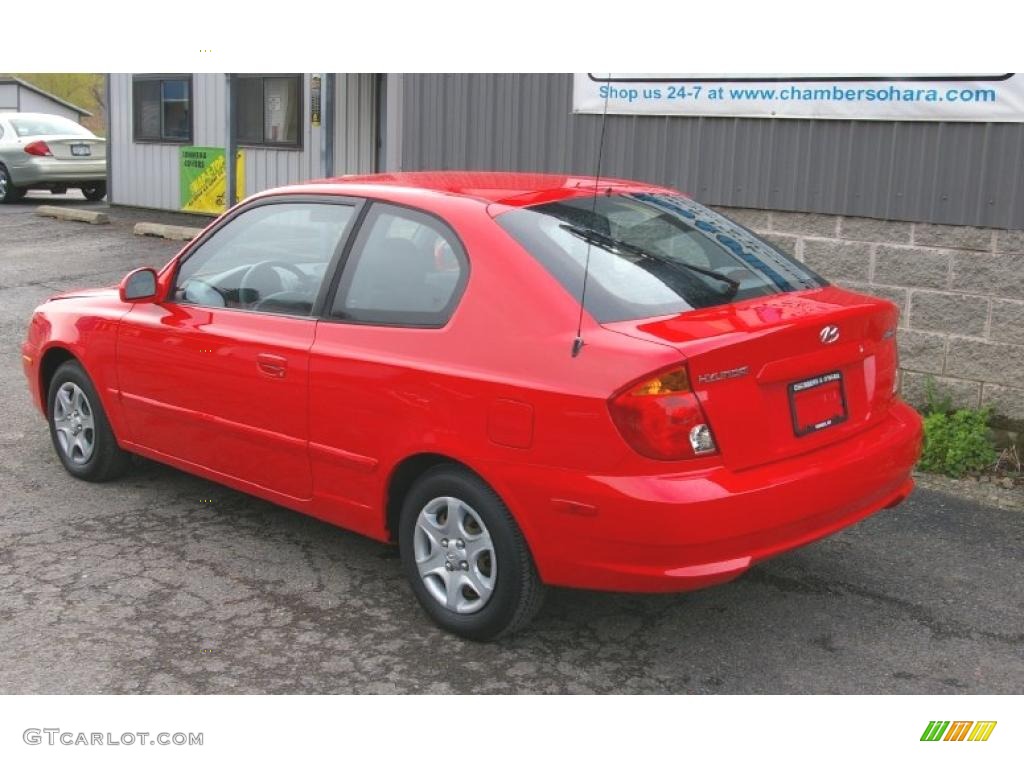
(56, 736)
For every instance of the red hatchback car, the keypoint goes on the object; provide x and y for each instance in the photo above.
(406, 356)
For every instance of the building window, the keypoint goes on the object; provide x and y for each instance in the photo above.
(162, 108)
(268, 110)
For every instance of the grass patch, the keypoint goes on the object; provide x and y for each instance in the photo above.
(956, 442)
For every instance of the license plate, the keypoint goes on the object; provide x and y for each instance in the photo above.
(817, 403)
(80, 150)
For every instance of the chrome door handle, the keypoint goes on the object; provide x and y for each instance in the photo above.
(274, 366)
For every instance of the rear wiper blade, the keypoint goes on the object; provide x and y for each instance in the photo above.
(600, 238)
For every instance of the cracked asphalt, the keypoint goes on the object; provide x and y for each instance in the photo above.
(165, 583)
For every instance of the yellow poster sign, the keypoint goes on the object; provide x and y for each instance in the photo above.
(203, 180)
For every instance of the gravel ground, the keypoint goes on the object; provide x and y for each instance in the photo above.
(165, 583)
(991, 491)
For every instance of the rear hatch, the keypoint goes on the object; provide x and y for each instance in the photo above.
(784, 374)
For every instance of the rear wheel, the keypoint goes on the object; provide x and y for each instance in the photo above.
(95, 192)
(8, 192)
(465, 557)
(81, 434)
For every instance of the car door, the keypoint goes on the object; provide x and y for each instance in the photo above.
(216, 375)
(369, 385)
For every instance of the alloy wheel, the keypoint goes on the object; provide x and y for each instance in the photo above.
(74, 423)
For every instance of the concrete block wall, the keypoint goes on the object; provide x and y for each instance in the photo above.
(960, 291)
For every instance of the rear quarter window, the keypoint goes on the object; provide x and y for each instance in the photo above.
(407, 268)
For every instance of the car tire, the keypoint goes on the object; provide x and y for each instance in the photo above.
(428, 544)
(8, 192)
(79, 429)
(95, 192)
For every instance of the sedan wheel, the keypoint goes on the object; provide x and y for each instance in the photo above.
(95, 192)
(8, 192)
(74, 423)
(465, 557)
(81, 434)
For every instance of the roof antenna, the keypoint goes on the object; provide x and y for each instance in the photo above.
(577, 343)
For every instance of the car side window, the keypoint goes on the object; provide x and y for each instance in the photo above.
(271, 258)
(407, 268)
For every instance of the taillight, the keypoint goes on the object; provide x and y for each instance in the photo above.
(39, 148)
(661, 418)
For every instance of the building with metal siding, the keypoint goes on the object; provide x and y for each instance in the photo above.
(146, 173)
(936, 172)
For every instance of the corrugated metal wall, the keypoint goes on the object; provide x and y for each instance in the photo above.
(355, 115)
(146, 174)
(952, 173)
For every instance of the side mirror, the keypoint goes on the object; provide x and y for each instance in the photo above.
(138, 285)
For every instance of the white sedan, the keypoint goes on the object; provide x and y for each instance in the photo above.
(49, 152)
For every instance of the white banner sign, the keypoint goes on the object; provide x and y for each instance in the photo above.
(970, 98)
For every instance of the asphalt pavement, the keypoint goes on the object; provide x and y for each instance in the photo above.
(164, 583)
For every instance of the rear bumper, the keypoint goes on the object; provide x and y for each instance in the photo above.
(686, 531)
(48, 170)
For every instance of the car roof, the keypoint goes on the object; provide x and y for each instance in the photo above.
(505, 188)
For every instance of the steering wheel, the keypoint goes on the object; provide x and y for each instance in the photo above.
(262, 280)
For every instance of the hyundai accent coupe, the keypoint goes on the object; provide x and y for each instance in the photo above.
(523, 380)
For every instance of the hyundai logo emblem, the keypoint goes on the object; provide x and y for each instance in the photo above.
(829, 334)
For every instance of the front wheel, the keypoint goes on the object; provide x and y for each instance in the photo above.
(465, 557)
(95, 192)
(81, 434)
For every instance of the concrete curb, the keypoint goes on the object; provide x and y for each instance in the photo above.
(73, 214)
(166, 231)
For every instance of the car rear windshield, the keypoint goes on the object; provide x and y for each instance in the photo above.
(47, 126)
(652, 254)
